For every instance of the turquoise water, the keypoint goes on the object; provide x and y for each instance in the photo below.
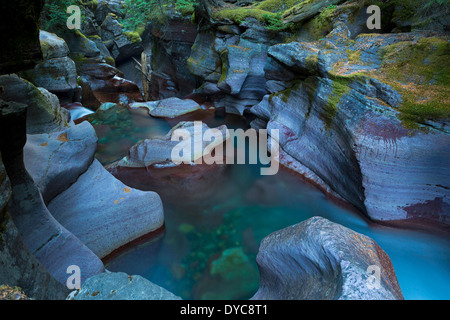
(216, 220)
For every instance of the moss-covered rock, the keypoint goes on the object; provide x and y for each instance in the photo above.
(420, 72)
(44, 112)
(57, 73)
(133, 36)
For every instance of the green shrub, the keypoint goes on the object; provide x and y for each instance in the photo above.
(186, 7)
(139, 12)
(54, 15)
(275, 22)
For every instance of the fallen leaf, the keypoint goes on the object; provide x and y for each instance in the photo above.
(63, 137)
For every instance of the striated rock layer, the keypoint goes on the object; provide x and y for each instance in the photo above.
(363, 116)
(104, 213)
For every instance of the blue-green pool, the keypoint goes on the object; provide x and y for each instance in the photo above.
(214, 224)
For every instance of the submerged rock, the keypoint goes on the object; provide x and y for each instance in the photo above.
(104, 213)
(120, 286)
(318, 259)
(233, 273)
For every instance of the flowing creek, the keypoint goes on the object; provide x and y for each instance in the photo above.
(216, 217)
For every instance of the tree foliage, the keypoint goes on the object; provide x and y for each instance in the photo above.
(138, 12)
(54, 15)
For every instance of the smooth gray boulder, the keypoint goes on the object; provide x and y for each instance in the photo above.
(120, 286)
(321, 260)
(104, 213)
(52, 46)
(56, 160)
(168, 108)
(159, 150)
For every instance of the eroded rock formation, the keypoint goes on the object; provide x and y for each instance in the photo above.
(321, 260)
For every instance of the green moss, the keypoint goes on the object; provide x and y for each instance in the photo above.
(277, 5)
(405, 9)
(110, 60)
(92, 4)
(272, 20)
(271, 13)
(185, 7)
(133, 36)
(322, 24)
(45, 46)
(78, 58)
(240, 14)
(140, 29)
(340, 88)
(284, 95)
(312, 63)
(224, 58)
(78, 33)
(353, 57)
(311, 84)
(421, 74)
